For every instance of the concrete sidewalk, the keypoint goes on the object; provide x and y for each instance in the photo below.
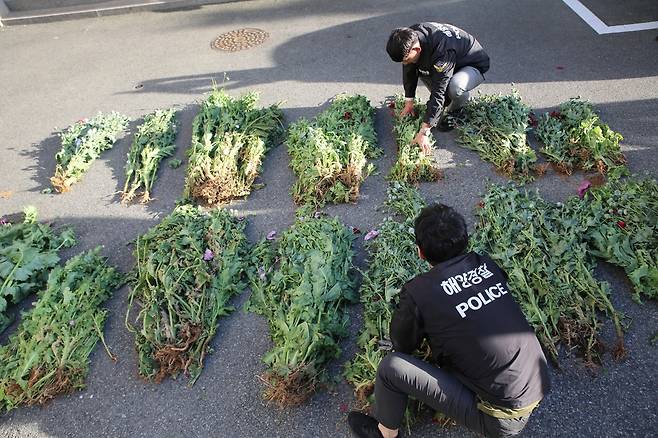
(21, 12)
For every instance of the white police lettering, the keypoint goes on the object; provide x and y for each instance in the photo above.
(456, 283)
(476, 302)
(449, 31)
(483, 271)
(473, 277)
(462, 279)
(450, 286)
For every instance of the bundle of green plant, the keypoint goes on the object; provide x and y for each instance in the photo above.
(404, 200)
(230, 138)
(49, 353)
(187, 269)
(621, 223)
(329, 155)
(154, 141)
(575, 138)
(412, 165)
(393, 261)
(495, 127)
(541, 247)
(303, 297)
(82, 143)
(28, 251)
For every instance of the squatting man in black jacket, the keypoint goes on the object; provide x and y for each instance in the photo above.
(488, 371)
(448, 60)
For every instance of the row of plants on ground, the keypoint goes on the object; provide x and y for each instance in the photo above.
(573, 138)
(193, 262)
(330, 153)
(549, 252)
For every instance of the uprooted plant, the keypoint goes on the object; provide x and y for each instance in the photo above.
(541, 247)
(154, 141)
(495, 127)
(620, 220)
(392, 262)
(49, 353)
(329, 155)
(575, 138)
(82, 143)
(412, 165)
(187, 269)
(302, 287)
(230, 137)
(28, 251)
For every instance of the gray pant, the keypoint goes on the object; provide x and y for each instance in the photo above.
(463, 81)
(401, 375)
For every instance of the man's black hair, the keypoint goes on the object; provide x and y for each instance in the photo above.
(400, 43)
(441, 233)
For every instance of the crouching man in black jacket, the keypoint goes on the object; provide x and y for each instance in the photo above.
(449, 61)
(490, 371)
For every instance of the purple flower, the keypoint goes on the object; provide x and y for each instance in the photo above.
(317, 214)
(271, 235)
(584, 186)
(3, 221)
(208, 255)
(371, 235)
(240, 218)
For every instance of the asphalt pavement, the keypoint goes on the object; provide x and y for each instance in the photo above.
(56, 73)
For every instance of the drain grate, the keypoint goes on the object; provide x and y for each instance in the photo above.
(239, 39)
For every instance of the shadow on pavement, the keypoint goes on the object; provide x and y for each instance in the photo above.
(533, 50)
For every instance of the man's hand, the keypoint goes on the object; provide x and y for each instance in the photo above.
(408, 108)
(423, 140)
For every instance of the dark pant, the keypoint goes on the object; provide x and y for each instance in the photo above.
(463, 81)
(401, 375)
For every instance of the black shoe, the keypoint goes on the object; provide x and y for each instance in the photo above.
(444, 125)
(363, 426)
(448, 119)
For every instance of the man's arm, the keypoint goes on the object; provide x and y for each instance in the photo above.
(409, 80)
(441, 73)
(406, 325)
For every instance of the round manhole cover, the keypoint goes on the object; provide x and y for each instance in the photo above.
(240, 39)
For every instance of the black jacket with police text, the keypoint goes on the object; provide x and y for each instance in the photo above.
(444, 50)
(475, 328)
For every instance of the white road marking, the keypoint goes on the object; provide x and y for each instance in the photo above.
(600, 27)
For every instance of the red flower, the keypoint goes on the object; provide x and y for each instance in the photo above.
(391, 104)
(343, 407)
(621, 224)
(584, 186)
(555, 114)
(532, 120)
(347, 115)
